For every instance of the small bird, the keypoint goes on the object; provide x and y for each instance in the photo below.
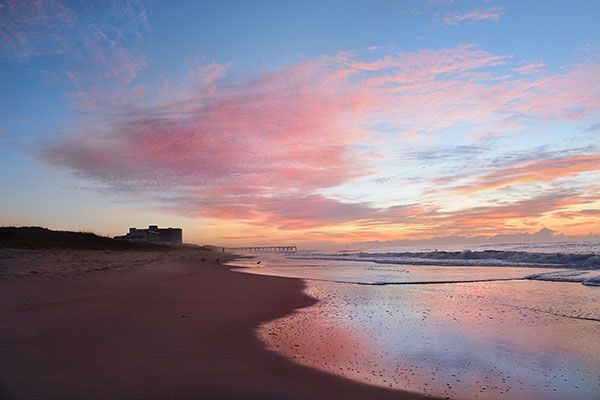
(258, 262)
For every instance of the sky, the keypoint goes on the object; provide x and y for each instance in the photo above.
(286, 122)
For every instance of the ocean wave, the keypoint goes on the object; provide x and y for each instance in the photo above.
(587, 277)
(593, 281)
(467, 258)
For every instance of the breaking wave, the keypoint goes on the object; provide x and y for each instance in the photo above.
(467, 258)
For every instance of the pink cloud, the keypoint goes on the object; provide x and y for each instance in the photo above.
(280, 135)
(538, 171)
(263, 149)
(529, 68)
(426, 65)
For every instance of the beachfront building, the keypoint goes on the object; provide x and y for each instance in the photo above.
(154, 234)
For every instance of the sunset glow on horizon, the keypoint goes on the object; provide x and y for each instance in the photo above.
(247, 124)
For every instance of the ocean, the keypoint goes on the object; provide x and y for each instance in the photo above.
(515, 320)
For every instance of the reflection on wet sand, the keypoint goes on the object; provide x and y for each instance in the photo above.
(486, 340)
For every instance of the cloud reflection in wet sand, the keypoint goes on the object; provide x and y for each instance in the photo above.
(485, 340)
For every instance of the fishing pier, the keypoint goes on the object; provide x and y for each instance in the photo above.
(271, 249)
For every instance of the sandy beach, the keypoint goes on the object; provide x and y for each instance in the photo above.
(149, 325)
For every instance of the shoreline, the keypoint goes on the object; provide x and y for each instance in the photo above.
(439, 339)
(181, 328)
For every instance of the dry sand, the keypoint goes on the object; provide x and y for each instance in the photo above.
(149, 325)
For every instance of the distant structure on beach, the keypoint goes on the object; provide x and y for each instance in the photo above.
(263, 248)
(154, 234)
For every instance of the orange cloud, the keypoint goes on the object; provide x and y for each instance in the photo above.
(539, 171)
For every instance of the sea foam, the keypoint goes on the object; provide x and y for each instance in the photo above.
(467, 258)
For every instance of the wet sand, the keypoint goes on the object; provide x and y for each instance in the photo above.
(516, 339)
(150, 325)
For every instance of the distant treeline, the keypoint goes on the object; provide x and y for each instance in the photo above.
(33, 237)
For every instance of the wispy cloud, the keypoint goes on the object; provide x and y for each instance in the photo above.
(538, 171)
(32, 28)
(480, 14)
(529, 68)
(593, 127)
(100, 44)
